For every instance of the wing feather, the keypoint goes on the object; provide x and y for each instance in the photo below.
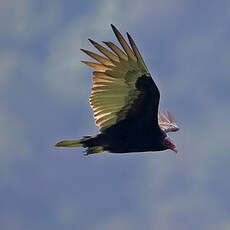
(96, 66)
(122, 85)
(136, 51)
(167, 125)
(99, 58)
(103, 50)
(117, 51)
(123, 43)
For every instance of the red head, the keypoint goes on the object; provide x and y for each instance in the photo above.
(169, 144)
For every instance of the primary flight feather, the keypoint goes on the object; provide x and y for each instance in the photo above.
(125, 102)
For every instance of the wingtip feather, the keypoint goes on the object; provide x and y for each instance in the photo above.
(171, 118)
(123, 43)
(104, 51)
(163, 117)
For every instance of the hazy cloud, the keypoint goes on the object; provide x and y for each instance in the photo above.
(186, 43)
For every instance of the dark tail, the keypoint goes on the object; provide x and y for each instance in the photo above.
(87, 142)
(72, 143)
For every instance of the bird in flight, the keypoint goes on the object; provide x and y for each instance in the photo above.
(125, 102)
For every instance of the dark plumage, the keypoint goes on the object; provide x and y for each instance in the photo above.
(125, 102)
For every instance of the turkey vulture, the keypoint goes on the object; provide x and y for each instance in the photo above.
(125, 101)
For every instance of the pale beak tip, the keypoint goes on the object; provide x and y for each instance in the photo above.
(175, 150)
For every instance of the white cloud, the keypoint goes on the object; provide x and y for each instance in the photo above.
(154, 11)
(69, 80)
(64, 74)
(25, 21)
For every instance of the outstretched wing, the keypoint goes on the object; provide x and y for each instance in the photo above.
(122, 85)
(167, 124)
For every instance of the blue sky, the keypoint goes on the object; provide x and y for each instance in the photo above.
(44, 98)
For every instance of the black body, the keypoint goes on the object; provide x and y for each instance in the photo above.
(140, 131)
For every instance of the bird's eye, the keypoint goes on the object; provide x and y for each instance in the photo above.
(167, 141)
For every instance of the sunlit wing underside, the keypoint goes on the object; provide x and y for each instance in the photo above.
(114, 89)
